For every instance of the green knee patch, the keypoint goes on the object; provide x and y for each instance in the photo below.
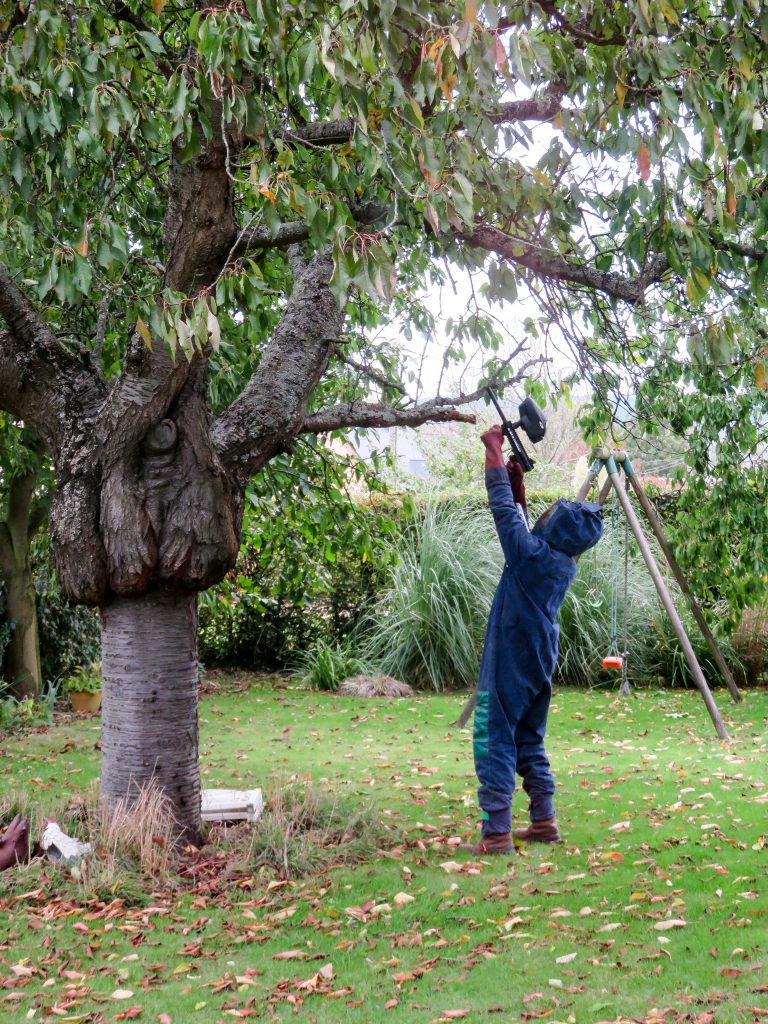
(480, 735)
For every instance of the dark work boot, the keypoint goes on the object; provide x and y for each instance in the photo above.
(539, 832)
(490, 845)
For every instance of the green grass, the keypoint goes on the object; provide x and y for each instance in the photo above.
(662, 823)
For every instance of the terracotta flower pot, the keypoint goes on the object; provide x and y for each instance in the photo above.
(81, 701)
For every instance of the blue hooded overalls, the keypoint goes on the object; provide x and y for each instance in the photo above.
(514, 688)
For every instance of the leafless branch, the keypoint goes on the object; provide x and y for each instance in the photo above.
(368, 372)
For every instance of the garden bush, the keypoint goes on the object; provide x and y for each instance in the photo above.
(427, 626)
(70, 635)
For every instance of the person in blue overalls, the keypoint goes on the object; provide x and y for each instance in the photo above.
(514, 688)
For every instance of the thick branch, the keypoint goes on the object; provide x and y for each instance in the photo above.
(538, 108)
(332, 133)
(45, 386)
(435, 410)
(269, 413)
(324, 133)
(551, 265)
(292, 232)
(19, 313)
(376, 414)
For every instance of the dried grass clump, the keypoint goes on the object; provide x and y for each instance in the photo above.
(374, 686)
(141, 831)
(303, 832)
(129, 845)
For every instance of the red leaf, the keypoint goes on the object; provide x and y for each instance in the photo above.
(644, 161)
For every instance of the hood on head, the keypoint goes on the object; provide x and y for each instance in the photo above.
(573, 527)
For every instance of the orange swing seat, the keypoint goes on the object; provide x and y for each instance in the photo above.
(613, 661)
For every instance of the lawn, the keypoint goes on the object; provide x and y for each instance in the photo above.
(654, 909)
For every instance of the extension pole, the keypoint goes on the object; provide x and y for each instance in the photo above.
(581, 495)
(677, 572)
(666, 600)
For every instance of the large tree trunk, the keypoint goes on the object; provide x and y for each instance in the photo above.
(22, 660)
(150, 697)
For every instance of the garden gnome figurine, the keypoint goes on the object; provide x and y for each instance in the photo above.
(14, 843)
(514, 688)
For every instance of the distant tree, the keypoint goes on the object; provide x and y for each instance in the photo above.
(192, 187)
(24, 500)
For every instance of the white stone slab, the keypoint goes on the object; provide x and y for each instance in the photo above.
(232, 804)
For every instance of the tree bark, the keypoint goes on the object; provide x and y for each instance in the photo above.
(149, 703)
(22, 660)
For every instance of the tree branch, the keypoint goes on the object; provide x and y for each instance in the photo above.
(293, 232)
(578, 29)
(19, 313)
(368, 371)
(269, 413)
(332, 133)
(538, 108)
(41, 381)
(551, 265)
(376, 414)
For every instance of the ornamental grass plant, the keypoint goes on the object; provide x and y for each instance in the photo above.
(428, 625)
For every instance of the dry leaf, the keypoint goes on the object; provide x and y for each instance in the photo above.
(644, 161)
(673, 922)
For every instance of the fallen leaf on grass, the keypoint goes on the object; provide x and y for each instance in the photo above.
(391, 1004)
(122, 993)
(290, 954)
(401, 898)
(613, 856)
(452, 1015)
(673, 922)
(566, 959)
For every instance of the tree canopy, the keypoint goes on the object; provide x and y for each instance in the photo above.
(209, 210)
(158, 160)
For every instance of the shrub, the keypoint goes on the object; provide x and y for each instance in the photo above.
(248, 622)
(18, 715)
(428, 626)
(327, 663)
(69, 634)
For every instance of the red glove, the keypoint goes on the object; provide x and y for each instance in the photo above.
(493, 440)
(517, 480)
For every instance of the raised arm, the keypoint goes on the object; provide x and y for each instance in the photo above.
(516, 542)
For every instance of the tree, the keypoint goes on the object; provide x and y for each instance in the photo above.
(24, 500)
(208, 207)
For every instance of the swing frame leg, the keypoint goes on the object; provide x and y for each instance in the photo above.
(677, 572)
(666, 599)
